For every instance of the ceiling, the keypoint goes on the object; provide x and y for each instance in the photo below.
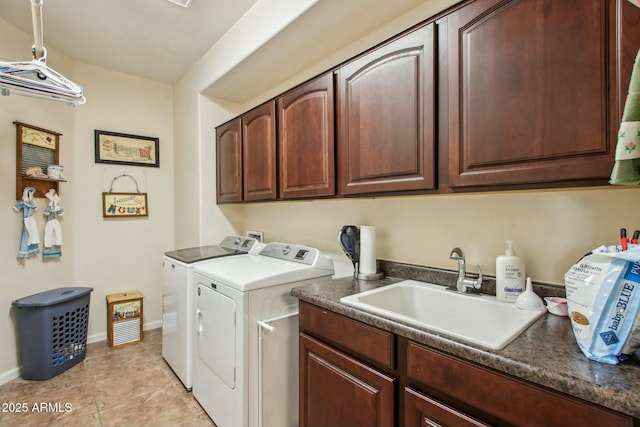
(159, 40)
(154, 39)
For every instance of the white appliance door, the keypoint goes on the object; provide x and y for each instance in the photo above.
(278, 371)
(174, 319)
(216, 333)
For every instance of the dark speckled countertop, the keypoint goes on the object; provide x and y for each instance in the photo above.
(546, 353)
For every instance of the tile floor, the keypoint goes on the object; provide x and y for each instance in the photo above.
(126, 386)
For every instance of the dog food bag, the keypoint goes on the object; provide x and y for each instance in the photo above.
(603, 294)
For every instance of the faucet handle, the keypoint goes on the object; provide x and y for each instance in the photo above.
(478, 282)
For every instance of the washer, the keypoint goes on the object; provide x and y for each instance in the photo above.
(179, 299)
(246, 365)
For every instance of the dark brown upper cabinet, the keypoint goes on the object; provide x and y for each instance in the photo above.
(229, 161)
(385, 117)
(246, 156)
(533, 90)
(518, 94)
(259, 152)
(306, 159)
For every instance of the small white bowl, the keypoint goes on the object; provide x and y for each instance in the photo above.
(557, 306)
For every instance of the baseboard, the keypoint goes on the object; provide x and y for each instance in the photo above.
(97, 338)
(9, 375)
(14, 373)
(152, 325)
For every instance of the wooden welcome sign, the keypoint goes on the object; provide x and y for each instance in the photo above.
(115, 204)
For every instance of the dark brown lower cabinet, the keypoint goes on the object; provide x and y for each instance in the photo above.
(338, 390)
(353, 374)
(423, 411)
(498, 398)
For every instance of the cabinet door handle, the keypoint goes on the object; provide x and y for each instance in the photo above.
(431, 423)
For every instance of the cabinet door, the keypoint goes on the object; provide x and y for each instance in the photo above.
(306, 140)
(337, 390)
(509, 400)
(386, 117)
(531, 91)
(423, 411)
(259, 148)
(229, 162)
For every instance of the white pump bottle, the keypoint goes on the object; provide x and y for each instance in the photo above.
(510, 275)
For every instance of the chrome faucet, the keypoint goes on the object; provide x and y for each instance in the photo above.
(464, 284)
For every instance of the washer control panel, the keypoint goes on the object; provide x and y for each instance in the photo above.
(242, 244)
(290, 252)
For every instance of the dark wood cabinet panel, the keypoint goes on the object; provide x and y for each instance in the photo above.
(306, 159)
(386, 117)
(423, 411)
(507, 399)
(338, 390)
(259, 152)
(246, 156)
(366, 341)
(229, 162)
(531, 91)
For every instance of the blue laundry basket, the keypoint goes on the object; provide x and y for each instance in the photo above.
(52, 330)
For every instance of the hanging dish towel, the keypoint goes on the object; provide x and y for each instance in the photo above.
(626, 170)
(53, 229)
(30, 240)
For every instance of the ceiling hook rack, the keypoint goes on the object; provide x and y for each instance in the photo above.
(38, 50)
(34, 78)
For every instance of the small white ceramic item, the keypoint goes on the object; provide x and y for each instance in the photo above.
(557, 306)
(55, 172)
(528, 300)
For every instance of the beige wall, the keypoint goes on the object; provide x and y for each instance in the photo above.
(549, 229)
(110, 256)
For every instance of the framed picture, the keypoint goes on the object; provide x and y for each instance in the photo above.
(117, 205)
(121, 148)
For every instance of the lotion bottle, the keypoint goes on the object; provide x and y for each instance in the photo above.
(510, 275)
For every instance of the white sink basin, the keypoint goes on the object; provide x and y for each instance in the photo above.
(480, 320)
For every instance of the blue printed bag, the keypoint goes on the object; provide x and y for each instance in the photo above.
(603, 294)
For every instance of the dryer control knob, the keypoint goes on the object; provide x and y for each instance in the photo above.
(286, 250)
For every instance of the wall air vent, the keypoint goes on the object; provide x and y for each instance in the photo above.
(183, 3)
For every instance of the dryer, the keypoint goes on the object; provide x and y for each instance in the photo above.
(246, 364)
(179, 299)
